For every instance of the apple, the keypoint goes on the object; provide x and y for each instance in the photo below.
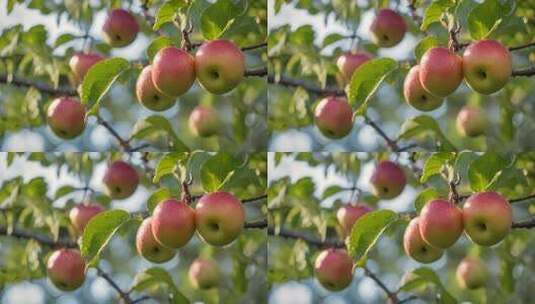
(416, 95)
(347, 216)
(334, 117)
(349, 62)
(173, 223)
(487, 218)
(388, 28)
(148, 95)
(173, 71)
(80, 63)
(487, 66)
(416, 248)
(80, 215)
(203, 273)
(441, 223)
(148, 247)
(471, 121)
(66, 117)
(219, 65)
(388, 180)
(334, 269)
(66, 269)
(120, 180)
(120, 28)
(472, 273)
(219, 217)
(203, 121)
(441, 71)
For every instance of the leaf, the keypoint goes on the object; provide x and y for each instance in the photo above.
(64, 38)
(217, 170)
(423, 124)
(62, 191)
(430, 276)
(155, 124)
(434, 12)
(168, 164)
(424, 45)
(483, 170)
(332, 38)
(156, 197)
(167, 13)
(158, 44)
(218, 17)
(330, 191)
(424, 197)
(155, 276)
(484, 19)
(434, 164)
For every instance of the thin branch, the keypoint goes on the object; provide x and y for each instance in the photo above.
(305, 237)
(256, 225)
(254, 199)
(124, 295)
(521, 199)
(408, 299)
(40, 238)
(260, 72)
(392, 296)
(529, 71)
(520, 47)
(124, 143)
(525, 224)
(254, 46)
(392, 144)
(290, 82)
(141, 299)
(39, 85)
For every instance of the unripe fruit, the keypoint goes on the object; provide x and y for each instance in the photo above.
(349, 62)
(487, 66)
(487, 218)
(173, 71)
(416, 95)
(120, 28)
(66, 269)
(80, 63)
(334, 269)
(388, 28)
(388, 180)
(441, 223)
(120, 180)
(148, 247)
(441, 71)
(173, 223)
(66, 117)
(80, 215)
(219, 218)
(416, 248)
(203, 121)
(334, 117)
(203, 273)
(148, 95)
(471, 121)
(472, 273)
(347, 216)
(219, 65)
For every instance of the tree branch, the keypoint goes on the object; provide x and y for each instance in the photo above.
(256, 225)
(254, 199)
(392, 296)
(260, 72)
(305, 237)
(40, 238)
(520, 47)
(123, 294)
(254, 46)
(521, 199)
(529, 71)
(528, 224)
(392, 144)
(39, 85)
(124, 143)
(290, 82)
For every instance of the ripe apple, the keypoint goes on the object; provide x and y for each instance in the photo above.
(203, 273)
(66, 117)
(388, 28)
(173, 71)
(173, 223)
(148, 95)
(334, 117)
(219, 65)
(472, 273)
(219, 217)
(334, 269)
(80, 215)
(66, 269)
(80, 63)
(388, 180)
(349, 62)
(120, 180)
(416, 248)
(441, 223)
(487, 218)
(416, 95)
(441, 71)
(148, 247)
(203, 121)
(471, 121)
(120, 28)
(487, 66)
(347, 216)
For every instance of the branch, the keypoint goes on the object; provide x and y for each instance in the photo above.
(392, 144)
(124, 143)
(529, 71)
(39, 85)
(256, 225)
(254, 46)
(289, 82)
(521, 199)
(525, 224)
(141, 299)
(40, 238)
(307, 238)
(254, 199)
(392, 296)
(124, 295)
(520, 47)
(260, 72)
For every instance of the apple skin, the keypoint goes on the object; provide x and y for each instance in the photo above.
(471, 122)
(203, 121)
(416, 96)
(334, 269)
(347, 216)
(66, 117)
(472, 273)
(148, 95)
(80, 215)
(219, 217)
(349, 62)
(120, 28)
(219, 65)
(441, 71)
(487, 66)
(66, 269)
(388, 180)
(416, 248)
(120, 180)
(148, 247)
(388, 28)
(441, 223)
(80, 63)
(487, 218)
(173, 71)
(334, 117)
(173, 223)
(203, 273)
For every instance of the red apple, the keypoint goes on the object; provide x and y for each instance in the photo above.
(173, 223)
(416, 95)
(334, 269)
(203, 273)
(80, 215)
(416, 248)
(441, 223)
(349, 62)
(66, 269)
(388, 28)
(388, 180)
(441, 71)
(173, 71)
(66, 117)
(120, 180)
(120, 28)
(347, 216)
(80, 64)
(203, 121)
(471, 121)
(148, 247)
(334, 117)
(148, 95)
(472, 273)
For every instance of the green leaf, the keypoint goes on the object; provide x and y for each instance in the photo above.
(434, 12)
(484, 19)
(425, 125)
(218, 17)
(158, 44)
(462, 163)
(330, 191)
(424, 197)
(156, 124)
(424, 45)
(217, 170)
(156, 197)
(430, 276)
(435, 163)
(62, 191)
(332, 38)
(168, 164)
(155, 276)
(64, 38)
(167, 13)
(483, 170)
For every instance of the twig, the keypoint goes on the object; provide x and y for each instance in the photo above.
(392, 144)
(256, 225)
(254, 46)
(520, 47)
(408, 299)
(254, 199)
(260, 72)
(124, 295)
(141, 299)
(289, 82)
(39, 85)
(392, 296)
(307, 238)
(124, 143)
(525, 224)
(521, 199)
(529, 71)
(40, 238)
